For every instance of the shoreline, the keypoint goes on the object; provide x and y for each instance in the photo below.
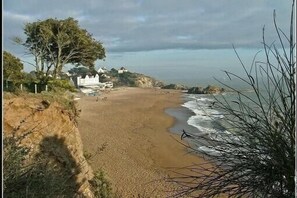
(140, 148)
(181, 115)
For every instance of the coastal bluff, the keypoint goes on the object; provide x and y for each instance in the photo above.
(143, 81)
(49, 130)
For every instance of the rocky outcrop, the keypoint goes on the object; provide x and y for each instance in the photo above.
(213, 89)
(196, 90)
(210, 89)
(147, 82)
(49, 129)
(175, 86)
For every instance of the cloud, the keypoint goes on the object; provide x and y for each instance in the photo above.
(16, 16)
(137, 25)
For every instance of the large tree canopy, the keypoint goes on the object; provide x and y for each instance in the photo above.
(12, 67)
(55, 43)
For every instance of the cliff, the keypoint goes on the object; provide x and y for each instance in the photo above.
(49, 129)
(147, 82)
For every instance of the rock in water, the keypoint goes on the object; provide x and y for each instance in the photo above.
(210, 89)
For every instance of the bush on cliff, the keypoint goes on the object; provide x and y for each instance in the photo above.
(55, 85)
(101, 186)
(127, 79)
(39, 178)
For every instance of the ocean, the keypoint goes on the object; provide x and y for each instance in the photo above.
(198, 116)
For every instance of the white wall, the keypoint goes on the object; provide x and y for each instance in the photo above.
(87, 81)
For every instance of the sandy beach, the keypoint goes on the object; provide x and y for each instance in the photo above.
(139, 149)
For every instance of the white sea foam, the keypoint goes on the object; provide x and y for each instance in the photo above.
(214, 134)
(222, 150)
(203, 112)
(202, 129)
(209, 150)
(200, 106)
(204, 117)
(208, 121)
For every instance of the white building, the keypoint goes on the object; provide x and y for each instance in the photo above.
(122, 70)
(102, 70)
(88, 81)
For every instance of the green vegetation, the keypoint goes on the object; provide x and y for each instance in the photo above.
(12, 67)
(42, 176)
(55, 85)
(82, 71)
(13, 75)
(38, 179)
(101, 187)
(14, 78)
(127, 79)
(28, 85)
(54, 43)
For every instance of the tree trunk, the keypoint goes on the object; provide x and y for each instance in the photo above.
(42, 64)
(58, 63)
(36, 63)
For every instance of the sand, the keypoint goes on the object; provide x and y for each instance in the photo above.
(139, 149)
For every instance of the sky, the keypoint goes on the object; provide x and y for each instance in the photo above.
(176, 41)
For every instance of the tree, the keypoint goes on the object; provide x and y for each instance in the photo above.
(55, 43)
(82, 71)
(257, 158)
(12, 67)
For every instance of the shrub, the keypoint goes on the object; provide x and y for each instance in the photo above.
(127, 79)
(101, 186)
(13, 161)
(55, 85)
(22, 178)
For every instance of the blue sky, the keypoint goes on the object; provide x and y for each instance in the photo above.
(171, 40)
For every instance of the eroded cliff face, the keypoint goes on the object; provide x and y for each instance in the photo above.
(49, 129)
(147, 82)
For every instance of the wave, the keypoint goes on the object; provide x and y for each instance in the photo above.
(208, 121)
(211, 124)
(209, 150)
(201, 108)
